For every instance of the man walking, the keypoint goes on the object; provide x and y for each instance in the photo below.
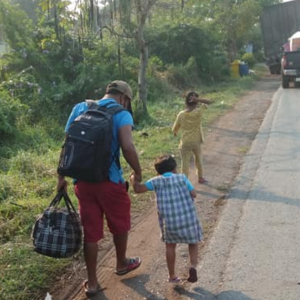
(109, 197)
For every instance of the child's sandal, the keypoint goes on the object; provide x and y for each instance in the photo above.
(192, 275)
(174, 280)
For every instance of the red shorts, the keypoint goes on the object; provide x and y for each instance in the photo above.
(97, 200)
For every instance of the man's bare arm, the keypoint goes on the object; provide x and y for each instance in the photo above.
(129, 151)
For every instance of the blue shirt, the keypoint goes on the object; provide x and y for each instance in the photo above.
(120, 119)
(150, 187)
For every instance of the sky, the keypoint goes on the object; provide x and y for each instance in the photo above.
(73, 4)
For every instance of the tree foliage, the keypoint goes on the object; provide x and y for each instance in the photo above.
(60, 56)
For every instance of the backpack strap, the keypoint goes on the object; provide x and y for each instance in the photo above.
(114, 110)
(92, 104)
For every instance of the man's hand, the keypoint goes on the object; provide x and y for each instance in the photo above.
(131, 179)
(62, 183)
(138, 187)
(137, 177)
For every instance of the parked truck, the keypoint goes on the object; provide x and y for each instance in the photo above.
(290, 62)
(278, 23)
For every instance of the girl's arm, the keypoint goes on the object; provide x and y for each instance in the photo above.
(176, 126)
(196, 99)
(190, 187)
(193, 193)
(137, 186)
(204, 101)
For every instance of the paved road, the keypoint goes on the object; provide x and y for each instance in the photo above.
(255, 251)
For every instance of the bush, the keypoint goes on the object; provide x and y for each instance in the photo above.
(249, 59)
(197, 41)
(10, 109)
(184, 76)
(259, 56)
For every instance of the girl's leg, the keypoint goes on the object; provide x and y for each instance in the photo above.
(185, 161)
(171, 257)
(198, 161)
(193, 250)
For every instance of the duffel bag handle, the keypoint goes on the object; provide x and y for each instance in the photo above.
(56, 200)
(68, 202)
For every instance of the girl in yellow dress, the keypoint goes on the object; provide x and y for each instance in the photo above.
(189, 121)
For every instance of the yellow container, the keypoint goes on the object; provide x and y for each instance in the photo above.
(235, 69)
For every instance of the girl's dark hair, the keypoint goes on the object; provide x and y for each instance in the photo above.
(188, 95)
(165, 163)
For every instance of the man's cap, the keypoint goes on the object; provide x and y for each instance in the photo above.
(120, 86)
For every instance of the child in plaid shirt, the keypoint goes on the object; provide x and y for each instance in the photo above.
(177, 214)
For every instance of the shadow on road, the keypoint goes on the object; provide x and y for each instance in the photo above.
(137, 284)
(259, 194)
(199, 293)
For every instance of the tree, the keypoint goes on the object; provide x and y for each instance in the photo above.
(142, 11)
(122, 26)
(29, 7)
(233, 19)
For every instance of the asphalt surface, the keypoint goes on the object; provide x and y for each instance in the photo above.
(254, 253)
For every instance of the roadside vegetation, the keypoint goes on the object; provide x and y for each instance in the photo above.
(59, 57)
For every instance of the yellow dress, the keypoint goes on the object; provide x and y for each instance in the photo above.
(190, 125)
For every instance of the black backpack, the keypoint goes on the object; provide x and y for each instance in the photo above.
(87, 153)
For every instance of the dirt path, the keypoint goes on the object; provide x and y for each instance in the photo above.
(227, 141)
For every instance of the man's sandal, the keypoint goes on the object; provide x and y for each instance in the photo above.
(89, 292)
(133, 263)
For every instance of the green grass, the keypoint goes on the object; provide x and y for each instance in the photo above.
(28, 183)
(25, 274)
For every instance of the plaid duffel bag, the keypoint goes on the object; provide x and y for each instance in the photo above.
(58, 232)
